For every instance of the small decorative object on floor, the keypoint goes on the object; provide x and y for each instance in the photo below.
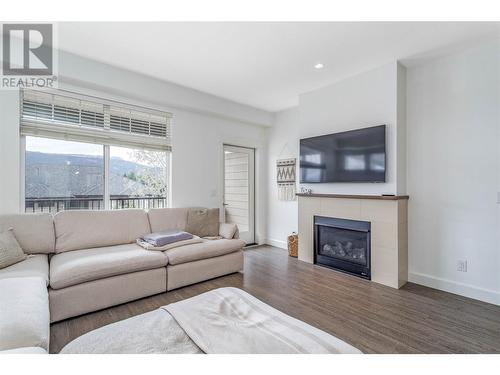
(293, 245)
(286, 179)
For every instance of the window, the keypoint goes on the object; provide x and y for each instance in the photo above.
(137, 178)
(65, 175)
(62, 175)
(86, 154)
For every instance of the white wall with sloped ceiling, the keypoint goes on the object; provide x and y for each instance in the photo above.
(202, 123)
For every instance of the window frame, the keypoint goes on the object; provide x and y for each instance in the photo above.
(106, 169)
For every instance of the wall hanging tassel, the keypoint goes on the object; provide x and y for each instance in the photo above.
(286, 179)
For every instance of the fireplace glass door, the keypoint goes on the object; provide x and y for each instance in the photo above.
(343, 245)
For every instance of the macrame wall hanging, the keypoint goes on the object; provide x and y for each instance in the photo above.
(286, 179)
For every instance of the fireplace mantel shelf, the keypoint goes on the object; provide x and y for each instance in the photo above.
(351, 196)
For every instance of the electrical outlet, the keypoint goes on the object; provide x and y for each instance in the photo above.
(462, 266)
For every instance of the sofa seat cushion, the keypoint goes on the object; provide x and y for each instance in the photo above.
(24, 313)
(33, 266)
(204, 250)
(79, 266)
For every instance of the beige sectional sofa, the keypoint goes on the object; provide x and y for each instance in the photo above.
(89, 260)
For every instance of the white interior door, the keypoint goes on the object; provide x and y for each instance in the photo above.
(239, 190)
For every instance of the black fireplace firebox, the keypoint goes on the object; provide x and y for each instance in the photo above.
(343, 245)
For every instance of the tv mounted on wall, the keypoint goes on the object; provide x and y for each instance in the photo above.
(352, 156)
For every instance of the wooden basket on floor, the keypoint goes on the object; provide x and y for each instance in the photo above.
(293, 245)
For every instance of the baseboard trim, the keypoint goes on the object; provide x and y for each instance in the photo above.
(277, 243)
(466, 290)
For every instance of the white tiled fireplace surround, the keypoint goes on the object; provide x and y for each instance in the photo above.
(389, 230)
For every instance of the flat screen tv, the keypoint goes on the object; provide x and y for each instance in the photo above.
(351, 156)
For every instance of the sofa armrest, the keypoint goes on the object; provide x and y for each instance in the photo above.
(229, 231)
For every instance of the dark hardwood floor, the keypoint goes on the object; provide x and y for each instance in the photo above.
(372, 317)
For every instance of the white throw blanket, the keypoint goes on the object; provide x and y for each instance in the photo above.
(229, 320)
(223, 321)
(154, 332)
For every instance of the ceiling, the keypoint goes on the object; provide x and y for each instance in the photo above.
(264, 65)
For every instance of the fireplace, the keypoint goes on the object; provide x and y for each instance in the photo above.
(343, 245)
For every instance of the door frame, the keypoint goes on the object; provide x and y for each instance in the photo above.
(252, 192)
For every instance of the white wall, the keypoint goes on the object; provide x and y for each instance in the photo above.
(282, 216)
(401, 136)
(9, 152)
(197, 162)
(367, 99)
(201, 124)
(372, 98)
(453, 172)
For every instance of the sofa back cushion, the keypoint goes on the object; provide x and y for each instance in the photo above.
(76, 230)
(34, 232)
(167, 218)
(203, 222)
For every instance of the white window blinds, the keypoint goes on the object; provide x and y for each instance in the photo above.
(86, 119)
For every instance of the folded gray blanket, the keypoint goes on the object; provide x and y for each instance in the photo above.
(159, 239)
